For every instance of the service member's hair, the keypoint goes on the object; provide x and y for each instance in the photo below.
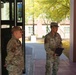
(16, 28)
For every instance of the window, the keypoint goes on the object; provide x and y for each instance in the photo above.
(12, 11)
(5, 26)
(67, 32)
(5, 12)
(30, 30)
(66, 29)
(19, 11)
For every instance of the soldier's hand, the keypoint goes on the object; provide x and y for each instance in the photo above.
(55, 54)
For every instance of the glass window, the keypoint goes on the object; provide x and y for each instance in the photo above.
(19, 11)
(12, 11)
(67, 32)
(66, 29)
(30, 29)
(5, 26)
(5, 11)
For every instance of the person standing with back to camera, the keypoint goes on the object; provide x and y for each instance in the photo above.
(14, 61)
(52, 41)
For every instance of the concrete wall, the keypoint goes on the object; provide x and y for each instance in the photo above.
(0, 38)
(73, 31)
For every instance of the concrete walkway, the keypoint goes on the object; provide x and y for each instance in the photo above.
(39, 51)
(36, 60)
(39, 58)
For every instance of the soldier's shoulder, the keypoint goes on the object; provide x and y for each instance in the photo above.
(11, 42)
(47, 35)
(58, 34)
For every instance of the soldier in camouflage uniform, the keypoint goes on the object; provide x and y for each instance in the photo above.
(15, 56)
(51, 42)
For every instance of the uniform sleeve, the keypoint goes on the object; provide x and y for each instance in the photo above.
(47, 46)
(10, 52)
(60, 44)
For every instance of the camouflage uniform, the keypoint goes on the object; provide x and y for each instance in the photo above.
(51, 43)
(15, 57)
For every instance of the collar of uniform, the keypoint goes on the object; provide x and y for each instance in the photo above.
(52, 34)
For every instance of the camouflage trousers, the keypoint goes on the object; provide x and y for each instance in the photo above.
(51, 65)
(14, 70)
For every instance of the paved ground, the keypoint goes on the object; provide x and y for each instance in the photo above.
(39, 51)
(65, 67)
(39, 58)
(36, 58)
